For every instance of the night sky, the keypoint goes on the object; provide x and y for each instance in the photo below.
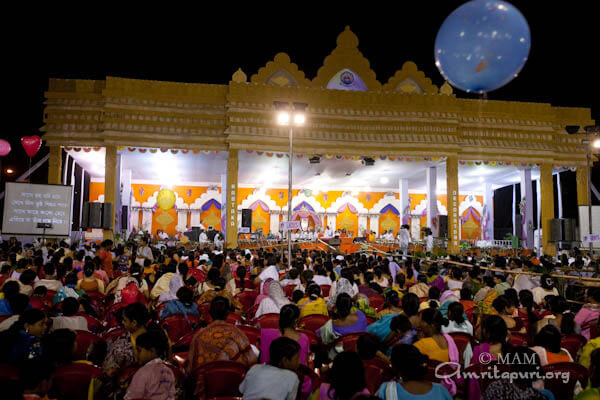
(205, 45)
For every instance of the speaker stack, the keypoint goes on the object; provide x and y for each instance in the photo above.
(97, 216)
(247, 218)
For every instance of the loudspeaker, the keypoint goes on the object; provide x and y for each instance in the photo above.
(569, 228)
(124, 218)
(442, 224)
(519, 226)
(92, 216)
(107, 219)
(562, 230)
(246, 218)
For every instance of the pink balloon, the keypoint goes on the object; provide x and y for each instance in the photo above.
(31, 144)
(4, 147)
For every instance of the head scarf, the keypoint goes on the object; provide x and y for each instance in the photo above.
(174, 285)
(341, 286)
(277, 295)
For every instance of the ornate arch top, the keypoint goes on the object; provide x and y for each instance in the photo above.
(205, 198)
(342, 201)
(470, 201)
(302, 198)
(346, 56)
(281, 72)
(258, 195)
(383, 203)
(410, 80)
(421, 208)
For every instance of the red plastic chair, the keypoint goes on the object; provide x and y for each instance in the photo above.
(289, 290)
(518, 339)
(313, 322)
(461, 340)
(350, 340)
(50, 296)
(73, 381)
(376, 372)
(377, 302)
(252, 332)
(313, 339)
(247, 298)
(183, 344)
(84, 341)
(219, 379)
(248, 284)
(556, 384)
(94, 324)
(177, 326)
(325, 290)
(370, 320)
(431, 375)
(268, 321)
(235, 319)
(252, 312)
(113, 333)
(593, 327)
(204, 310)
(111, 314)
(160, 307)
(179, 359)
(573, 343)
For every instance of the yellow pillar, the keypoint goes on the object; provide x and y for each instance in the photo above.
(452, 202)
(547, 189)
(232, 186)
(55, 165)
(110, 186)
(582, 186)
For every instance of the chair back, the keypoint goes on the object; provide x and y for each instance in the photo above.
(313, 322)
(268, 321)
(85, 340)
(593, 328)
(325, 290)
(219, 379)
(518, 339)
(177, 326)
(313, 339)
(251, 332)
(561, 378)
(376, 372)
(289, 290)
(235, 319)
(573, 343)
(461, 340)
(377, 302)
(94, 324)
(247, 298)
(184, 342)
(113, 333)
(350, 341)
(442, 370)
(72, 381)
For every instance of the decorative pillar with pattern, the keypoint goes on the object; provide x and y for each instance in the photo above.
(55, 166)
(547, 189)
(362, 224)
(110, 186)
(582, 186)
(274, 222)
(452, 196)
(527, 209)
(375, 224)
(232, 187)
(432, 209)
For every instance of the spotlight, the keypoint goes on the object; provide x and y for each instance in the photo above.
(314, 159)
(368, 161)
(571, 129)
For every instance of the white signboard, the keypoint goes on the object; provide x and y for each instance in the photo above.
(594, 238)
(243, 230)
(28, 204)
(289, 226)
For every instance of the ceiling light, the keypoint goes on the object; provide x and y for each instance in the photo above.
(596, 143)
(315, 159)
(283, 118)
(368, 161)
(384, 180)
(481, 179)
(10, 171)
(299, 119)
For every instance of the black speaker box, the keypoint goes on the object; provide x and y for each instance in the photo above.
(247, 218)
(194, 235)
(124, 217)
(92, 216)
(442, 224)
(519, 226)
(107, 216)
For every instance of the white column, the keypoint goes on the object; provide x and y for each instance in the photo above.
(146, 220)
(362, 223)
(488, 217)
(331, 221)
(195, 218)
(239, 218)
(431, 198)
(404, 204)
(526, 193)
(223, 205)
(117, 205)
(514, 209)
(375, 224)
(134, 219)
(322, 218)
(181, 220)
(538, 192)
(274, 222)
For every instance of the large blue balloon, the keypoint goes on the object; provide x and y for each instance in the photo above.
(482, 45)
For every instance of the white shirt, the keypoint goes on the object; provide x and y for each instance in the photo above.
(266, 306)
(404, 236)
(260, 379)
(75, 323)
(322, 280)
(465, 327)
(51, 284)
(143, 253)
(163, 236)
(539, 293)
(7, 323)
(429, 242)
(203, 237)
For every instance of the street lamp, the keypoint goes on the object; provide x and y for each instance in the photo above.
(287, 112)
(595, 143)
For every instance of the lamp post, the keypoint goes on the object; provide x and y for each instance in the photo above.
(290, 114)
(591, 129)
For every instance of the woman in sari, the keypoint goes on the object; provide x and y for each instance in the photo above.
(174, 284)
(344, 285)
(314, 303)
(347, 322)
(273, 303)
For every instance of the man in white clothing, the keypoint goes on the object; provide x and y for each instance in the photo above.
(404, 239)
(143, 253)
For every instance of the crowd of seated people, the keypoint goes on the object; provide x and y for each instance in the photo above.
(94, 322)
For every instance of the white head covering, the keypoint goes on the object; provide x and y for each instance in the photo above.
(174, 285)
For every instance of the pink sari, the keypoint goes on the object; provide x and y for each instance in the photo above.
(264, 292)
